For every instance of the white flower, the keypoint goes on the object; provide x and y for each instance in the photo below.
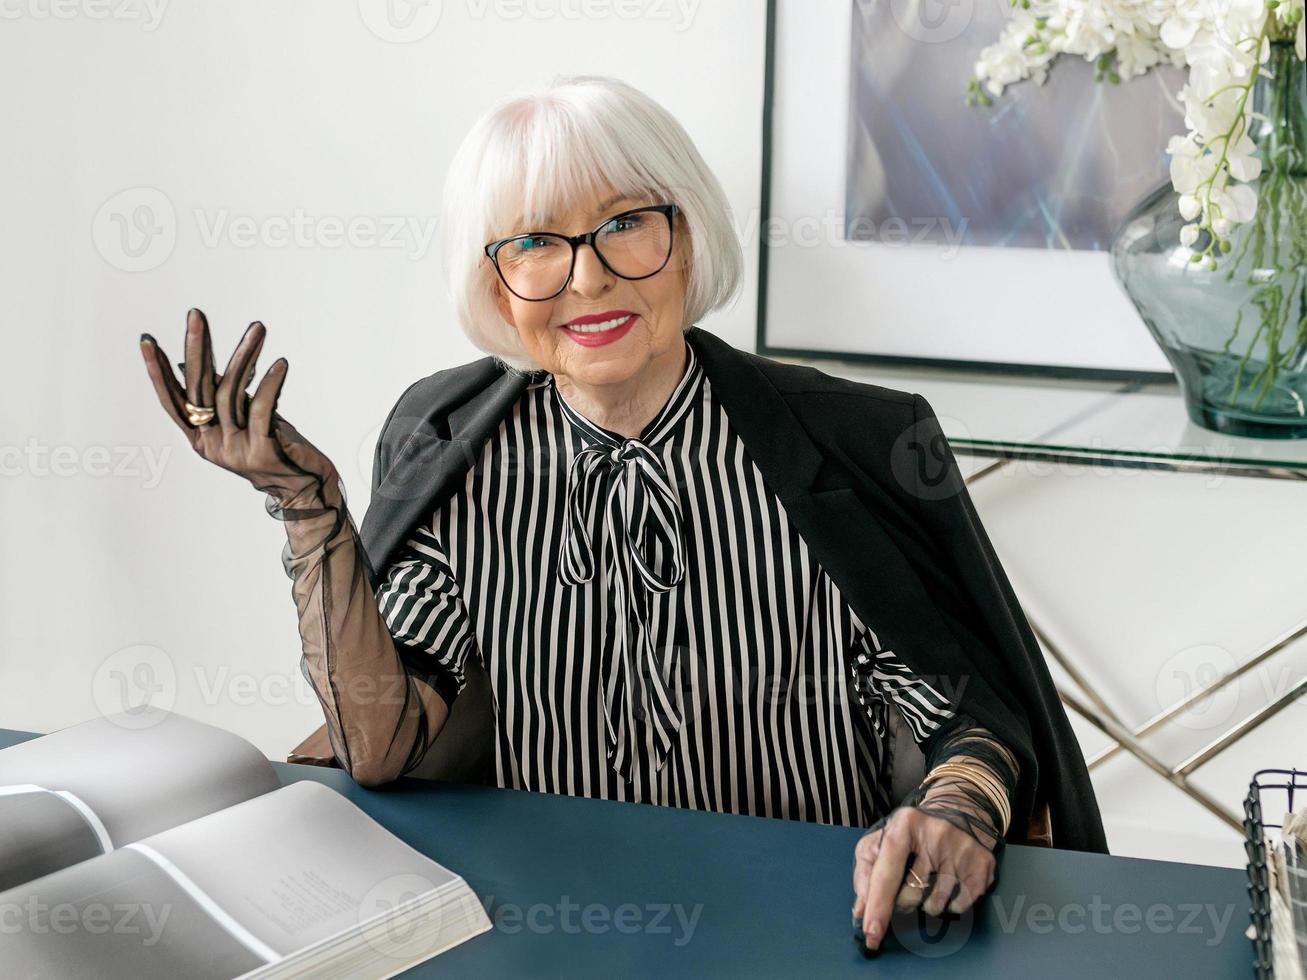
(1180, 28)
(1223, 43)
(1242, 160)
(1238, 202)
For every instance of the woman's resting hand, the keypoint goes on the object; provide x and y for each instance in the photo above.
(955, 866)
(947, 831)
(247, 436)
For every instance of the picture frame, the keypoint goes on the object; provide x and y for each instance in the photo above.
(1053, 312)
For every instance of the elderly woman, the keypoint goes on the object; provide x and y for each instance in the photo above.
(692, 576)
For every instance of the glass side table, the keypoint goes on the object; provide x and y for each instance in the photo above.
(1101, 423)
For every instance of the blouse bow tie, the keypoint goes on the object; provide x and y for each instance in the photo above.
(642, 527)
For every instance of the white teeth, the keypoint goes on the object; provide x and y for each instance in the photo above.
(596, 327)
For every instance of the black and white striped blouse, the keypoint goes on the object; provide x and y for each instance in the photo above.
(653, 627)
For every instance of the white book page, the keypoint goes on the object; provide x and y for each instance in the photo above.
(298, 882)
(93, 787)
(299, 866)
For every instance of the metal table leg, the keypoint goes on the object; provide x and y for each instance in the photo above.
(1100, 713)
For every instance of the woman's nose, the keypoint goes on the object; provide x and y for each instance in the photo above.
(589, 276)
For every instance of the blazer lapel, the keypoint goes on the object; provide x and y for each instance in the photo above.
(822, 499)
(767, 425)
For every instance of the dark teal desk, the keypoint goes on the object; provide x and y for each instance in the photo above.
(773, 897)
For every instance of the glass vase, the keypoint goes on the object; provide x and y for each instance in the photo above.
(1236, 335)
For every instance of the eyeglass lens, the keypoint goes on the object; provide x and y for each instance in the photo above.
(633, 245)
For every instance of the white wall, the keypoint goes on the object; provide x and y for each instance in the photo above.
(257, 111)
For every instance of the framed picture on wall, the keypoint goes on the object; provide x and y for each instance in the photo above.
(900, 225)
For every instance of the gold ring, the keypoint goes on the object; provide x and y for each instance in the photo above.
(199, 414)
(916, 881)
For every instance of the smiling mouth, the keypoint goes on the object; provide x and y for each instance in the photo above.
(599, 327)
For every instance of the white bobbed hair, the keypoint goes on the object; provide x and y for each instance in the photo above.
(540, 153)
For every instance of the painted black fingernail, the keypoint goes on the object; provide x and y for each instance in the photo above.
(145, 337)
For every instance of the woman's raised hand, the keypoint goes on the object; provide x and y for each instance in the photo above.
(245, 435)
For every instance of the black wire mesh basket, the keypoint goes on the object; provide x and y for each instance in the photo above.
(1273, 789)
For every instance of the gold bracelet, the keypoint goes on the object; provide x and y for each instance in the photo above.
(1001, 808)
(967, 764)
(975, 770)
(978, 773)
(980, 777)
(985, 781)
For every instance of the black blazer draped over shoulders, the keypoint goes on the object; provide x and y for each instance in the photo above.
(870, 481)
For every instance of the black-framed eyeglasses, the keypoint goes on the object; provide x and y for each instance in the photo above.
(538, 265)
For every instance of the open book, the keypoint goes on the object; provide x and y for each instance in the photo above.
(149, 845)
